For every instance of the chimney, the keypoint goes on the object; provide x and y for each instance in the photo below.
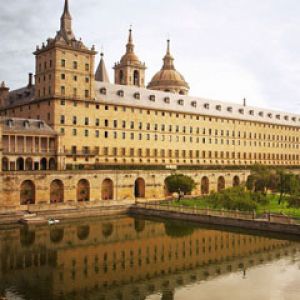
(244, 101)
(30, 77)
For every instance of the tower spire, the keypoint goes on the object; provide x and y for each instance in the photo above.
(101, 73)
(168, 59)
(66, 23)
(130, 45)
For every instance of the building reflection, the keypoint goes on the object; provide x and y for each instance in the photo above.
(124, 258)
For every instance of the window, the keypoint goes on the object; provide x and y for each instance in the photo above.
(62, 119)
(86, 132)
(87, 67)
(87, 79)
(74, 120)
(97, 122)
(62, 90)
(63, 76)
(75, 92)
(86, 93)
(63, 63)
(75, 78)
(74, 131)
(97, 133)
(86, 121)
(75, 65)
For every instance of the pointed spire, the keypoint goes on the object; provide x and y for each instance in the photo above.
(66, 23)
(168, 59)
(130, 45)
(101, 73)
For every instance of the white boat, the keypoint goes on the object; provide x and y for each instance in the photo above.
(53, 221)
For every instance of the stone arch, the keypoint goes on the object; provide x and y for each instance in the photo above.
(29, 164)
(52, 164)
(221, 184)
(20, 164)
(43, 164)
(56, 235)
(204, 185)
(83, 232)
(107, 190)
(139, 188)
(83, 190)
(136, 78)
(27, 192)
(5, 164)
(236, 181)
(56, 191)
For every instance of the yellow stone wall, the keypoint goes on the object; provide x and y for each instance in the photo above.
(123, 185)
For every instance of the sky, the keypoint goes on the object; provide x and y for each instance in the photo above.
(226, 49)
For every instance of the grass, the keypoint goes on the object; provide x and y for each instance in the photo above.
(272, 206)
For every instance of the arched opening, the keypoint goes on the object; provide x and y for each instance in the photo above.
(27, 192)
(56, 191)
(139, 188)
(43, 164)
(5, 164)
(204, 185)
(121, 74)
(221, 184)
(136, 78)
(83, 190)
(56, 235)
(107, 192)
(236, 181)
(83, 232)
(107, 229)
(27, 237)
(20, 164)
(28, 164)
(52, 164)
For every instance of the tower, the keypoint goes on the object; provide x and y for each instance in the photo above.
(130, 70)
(168, 79)
(4, 92)
(64, 65)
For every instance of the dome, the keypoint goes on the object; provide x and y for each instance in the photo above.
(168, 78)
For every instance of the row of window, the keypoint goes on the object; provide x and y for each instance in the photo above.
(183, 129)
(63, 64)
(132, 152)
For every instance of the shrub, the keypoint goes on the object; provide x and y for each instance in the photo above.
(293, 201)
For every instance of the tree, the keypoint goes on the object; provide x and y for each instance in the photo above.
(180, 183)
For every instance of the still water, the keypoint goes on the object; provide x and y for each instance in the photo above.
(126, 258)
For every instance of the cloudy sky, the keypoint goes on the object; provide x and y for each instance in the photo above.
(226, 49)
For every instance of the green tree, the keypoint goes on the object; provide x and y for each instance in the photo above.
(180, 183)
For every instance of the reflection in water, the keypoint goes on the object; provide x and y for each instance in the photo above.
(126, 258)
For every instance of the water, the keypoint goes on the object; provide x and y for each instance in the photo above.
(124, 258)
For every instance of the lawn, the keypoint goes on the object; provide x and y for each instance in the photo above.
(273, 206)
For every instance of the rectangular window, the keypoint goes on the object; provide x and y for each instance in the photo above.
(86, 121)
(75, 65)
(97, 122)
(97, 133)
(62, 90)
(63, 63)
(74, 131)
(63, 76)
(62, 119)
(74, 120)
(86, 132)
(86, 93)
(87, 67)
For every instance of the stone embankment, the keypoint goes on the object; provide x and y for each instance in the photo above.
(245, 220)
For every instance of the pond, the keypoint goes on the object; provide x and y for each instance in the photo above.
(127, 258)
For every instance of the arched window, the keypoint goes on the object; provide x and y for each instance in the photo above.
(52, 164)
(83, 232)
(28, 164)
(136, 78)
(221, 183)
(5, 164)
(56, 191)
(27, 192)
(121, 74)
(236, 181)
(43, 164)
(139, 188)
(107, 191)
(20, 164)
(83, 190)
(204, 185)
